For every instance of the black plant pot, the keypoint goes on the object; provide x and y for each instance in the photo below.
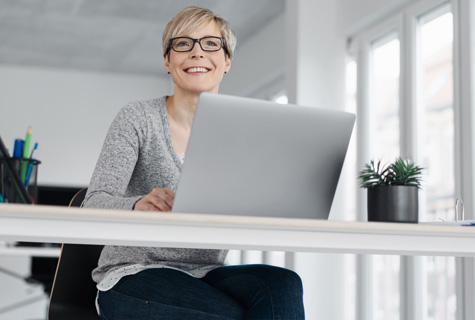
(393, 204)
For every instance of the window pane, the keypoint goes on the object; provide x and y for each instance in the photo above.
(350, 169)
(384, 144)
(436, 151)
(436, 117)
(384, 101)
(350, 184)
(440, 288)
(386, 270)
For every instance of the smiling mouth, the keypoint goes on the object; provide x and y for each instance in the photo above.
(197, 70)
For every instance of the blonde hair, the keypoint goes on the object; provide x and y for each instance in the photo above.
(191, 17)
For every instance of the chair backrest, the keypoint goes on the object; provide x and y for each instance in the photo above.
(74, 292)
(78, 198)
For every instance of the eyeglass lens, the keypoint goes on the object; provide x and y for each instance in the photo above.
(207, 44)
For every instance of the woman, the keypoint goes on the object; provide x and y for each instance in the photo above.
(139, 168)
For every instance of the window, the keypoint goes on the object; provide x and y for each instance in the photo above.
(436, 115)
(384, 144)
(435, 129)
(406, 88)
(384, 99)
(349, 173)
(432, 43)
(350, 169)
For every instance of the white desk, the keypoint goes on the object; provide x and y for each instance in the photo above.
(30, 252)
(92, 226)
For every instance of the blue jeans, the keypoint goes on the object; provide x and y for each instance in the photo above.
(228, 292)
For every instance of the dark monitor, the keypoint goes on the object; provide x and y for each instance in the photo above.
(56, 195)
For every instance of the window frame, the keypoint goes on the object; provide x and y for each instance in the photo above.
(405, 24)
(464, 95)
(363, 44)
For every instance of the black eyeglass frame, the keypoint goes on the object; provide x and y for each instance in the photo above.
(223, 44)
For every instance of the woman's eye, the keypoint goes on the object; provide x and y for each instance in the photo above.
(182, 44)
(211, 44)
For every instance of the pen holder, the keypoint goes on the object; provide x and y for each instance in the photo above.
(15, 174)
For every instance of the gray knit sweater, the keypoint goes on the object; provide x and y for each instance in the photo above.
(137, 156)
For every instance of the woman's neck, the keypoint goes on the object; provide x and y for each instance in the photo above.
(181, 108)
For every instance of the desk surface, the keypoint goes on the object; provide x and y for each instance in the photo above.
(30, 252)
(118, 227)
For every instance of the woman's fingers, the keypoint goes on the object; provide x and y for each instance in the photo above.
(159, 203)
(165, 195)
(160, 199)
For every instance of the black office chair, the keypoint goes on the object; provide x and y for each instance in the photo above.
(74, 292)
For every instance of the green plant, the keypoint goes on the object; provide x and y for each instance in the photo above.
(399, 173)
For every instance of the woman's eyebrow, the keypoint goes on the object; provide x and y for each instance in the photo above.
(205, 36)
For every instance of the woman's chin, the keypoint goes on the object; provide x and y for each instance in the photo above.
(200, 89)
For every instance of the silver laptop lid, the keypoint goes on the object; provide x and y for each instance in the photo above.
(259, 158)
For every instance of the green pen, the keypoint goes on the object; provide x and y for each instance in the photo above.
(26, 153)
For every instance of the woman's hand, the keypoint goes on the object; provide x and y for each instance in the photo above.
(160, 199)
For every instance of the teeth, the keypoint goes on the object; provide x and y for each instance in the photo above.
(197, 69)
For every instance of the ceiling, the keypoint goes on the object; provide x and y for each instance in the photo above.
(109, 35)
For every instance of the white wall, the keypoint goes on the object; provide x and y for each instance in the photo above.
(259, 62)
(353, 15)
(315, 74)
(70, 112)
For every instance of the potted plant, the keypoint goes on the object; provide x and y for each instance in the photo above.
(392, 190)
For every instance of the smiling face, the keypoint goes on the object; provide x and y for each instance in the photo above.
(198, 71)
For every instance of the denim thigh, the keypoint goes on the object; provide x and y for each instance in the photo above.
(267, 292)
(167, 294)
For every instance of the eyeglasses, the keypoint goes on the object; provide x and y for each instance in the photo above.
(185, 44)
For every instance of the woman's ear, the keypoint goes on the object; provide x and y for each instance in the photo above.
(227, 64)
(167, 64)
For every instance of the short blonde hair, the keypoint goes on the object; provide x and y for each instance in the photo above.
(191, 17)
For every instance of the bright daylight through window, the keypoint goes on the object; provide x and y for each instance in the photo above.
(384, 110)
(435, 128)
(350, 185)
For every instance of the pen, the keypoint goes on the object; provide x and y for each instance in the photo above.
(13, 174)
(26, 149)
(30, 165)
(18, 148)
(33, 152)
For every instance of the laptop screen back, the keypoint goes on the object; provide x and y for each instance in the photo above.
(258, 158)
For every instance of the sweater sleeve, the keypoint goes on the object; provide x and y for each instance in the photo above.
(117, 161)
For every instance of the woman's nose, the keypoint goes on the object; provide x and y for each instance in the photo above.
(196, 52)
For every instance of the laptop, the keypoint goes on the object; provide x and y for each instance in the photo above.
(259, 158)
